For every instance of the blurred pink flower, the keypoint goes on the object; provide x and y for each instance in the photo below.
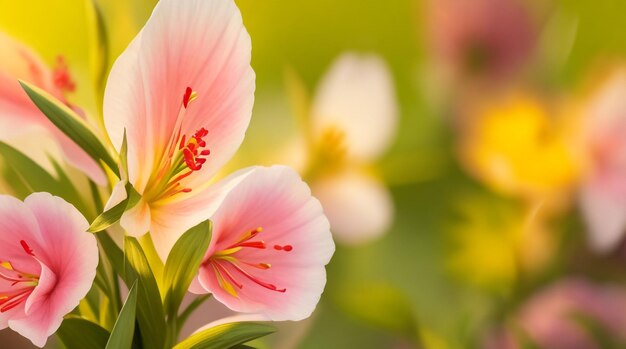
(20, 117)
(552, 318)
(183, 93)
(47, 263)
(270, 245)
(487, 38)
(603, 191)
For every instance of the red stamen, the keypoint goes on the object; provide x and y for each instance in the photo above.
(257, 281)
(253, 244)
(223, 271)
(26, 247)
(187, 96)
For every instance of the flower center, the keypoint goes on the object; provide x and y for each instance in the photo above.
(328, 154)
(21, 285)
(227, 279)
(183, 156)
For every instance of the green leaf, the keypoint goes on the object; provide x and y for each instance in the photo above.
(110, 217)
(183, 262)
(99, 49)
(150, 313)
(35, 178)
(124, 329)
(226, 336)
(78, 333)
(66, 120)
(112, 251)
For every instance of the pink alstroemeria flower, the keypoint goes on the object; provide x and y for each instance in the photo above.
(488, 38)
(553, 318)
(270, 245)
(183, 92)
(18, 61)
(603, 191)
(47, 263)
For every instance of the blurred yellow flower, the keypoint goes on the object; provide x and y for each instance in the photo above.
(517, 147)
(495, 242)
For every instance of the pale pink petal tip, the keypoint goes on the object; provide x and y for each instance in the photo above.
(359, 207)
(357, 99)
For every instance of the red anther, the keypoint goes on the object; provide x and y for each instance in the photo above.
(186, 190)
(187, 96)
(189, 159)
(287, 248)
(201, 160)
(253, 244)
(205, 152)
(26, 247)
(201, 133)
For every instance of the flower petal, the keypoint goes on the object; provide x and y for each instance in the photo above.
(277, 200)
(39, 322)
(172, 219)
(358, 206)
(136, 221)
(68, 251)
(16, 223)
(357, 97)
(201, 44)
(605, 215)
(20, 62)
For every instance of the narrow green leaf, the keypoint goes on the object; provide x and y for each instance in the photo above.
(112, 251)
(78, 333)
(99, 48)
(183, 262)
(110, 217)
(124, 329)
(36, 178)
(226, 336)
(150, 314)
(66, 120)
(124, 158)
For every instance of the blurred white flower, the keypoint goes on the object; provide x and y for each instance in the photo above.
(351, 122)
(603, 191)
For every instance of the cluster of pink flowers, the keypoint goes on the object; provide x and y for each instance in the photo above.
(180, 98)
